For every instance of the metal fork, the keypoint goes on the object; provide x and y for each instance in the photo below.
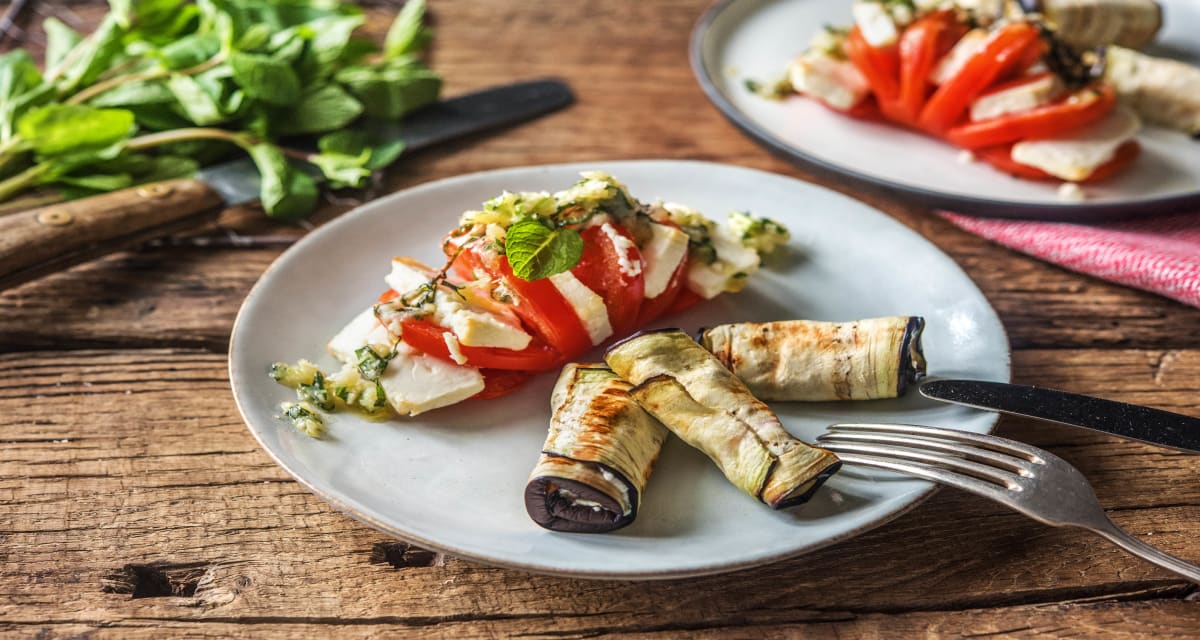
(1024, 478)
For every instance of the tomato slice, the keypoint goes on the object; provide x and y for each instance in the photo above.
(429, 338)
(1004, 51)
(499, 382)
(1081, 108)
(686, 300)
(538, 303)
(1000, 157)
(922, 44)
(600, 269)
(879, 65)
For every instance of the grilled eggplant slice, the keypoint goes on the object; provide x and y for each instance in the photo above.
(802, 360)
(699, 400)
(1089, 23)
(597, 457)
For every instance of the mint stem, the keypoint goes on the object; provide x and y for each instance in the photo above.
(22, 181)
(155, 74)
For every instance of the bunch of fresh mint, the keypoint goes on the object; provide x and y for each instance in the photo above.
(162, 87)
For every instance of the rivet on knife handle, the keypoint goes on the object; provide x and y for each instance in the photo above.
(37, 242)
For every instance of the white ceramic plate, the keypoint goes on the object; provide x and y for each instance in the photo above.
(757, 38)
(452, 479)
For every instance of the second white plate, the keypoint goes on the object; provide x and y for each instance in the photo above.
(756, 39)
(453, 479)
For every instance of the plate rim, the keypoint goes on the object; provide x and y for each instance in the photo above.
(665, 574)
(969, 205)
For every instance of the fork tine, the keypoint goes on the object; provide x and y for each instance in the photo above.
(928, 472)
(1002, 461)
(992, 443)
(950, 462)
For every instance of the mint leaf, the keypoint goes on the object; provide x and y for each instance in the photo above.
(353, 142)
(406, 34)
(265, 78)
(134, 93)
(189, 51)
(60, 39)
(343, 170)
(324, 109)
(21, 88)
(95, 55)
(391, 90)
(194, 102)
(286, 193)
(61, 128)
(536, 251)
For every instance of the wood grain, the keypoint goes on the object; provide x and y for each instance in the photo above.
(134, 503)
(135, 494)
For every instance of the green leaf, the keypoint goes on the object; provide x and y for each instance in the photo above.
(286, 193)
(194, 102)
(330, 37)
(406, 34)
(60, 39)
(61, 129)
(322, 109)
(391, 90)
(264, 78)
(536, 251)
(98, 182)
(160, 22)
(21, 88)
(343, 170)
(353, 142)
(189, 51)
(91, 57)
(134, 93)
(255, 37)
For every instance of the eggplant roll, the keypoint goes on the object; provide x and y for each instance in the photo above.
(598, 455)
(817, 361)
(700, 401)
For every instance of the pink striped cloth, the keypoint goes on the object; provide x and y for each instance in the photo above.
(1160, 254)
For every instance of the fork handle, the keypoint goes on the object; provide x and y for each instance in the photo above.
(1128, 542)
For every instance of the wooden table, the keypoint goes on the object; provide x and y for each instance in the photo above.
(136, 504)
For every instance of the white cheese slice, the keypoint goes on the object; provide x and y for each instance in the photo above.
(734, 263)
(662, 255)
(953, 62)
(837, 83)
(623, 245)
(1022, 97)
(413, 382)
(875, 22)
(706, 280)
(473, 325)
(1074, 158)
(587, 305)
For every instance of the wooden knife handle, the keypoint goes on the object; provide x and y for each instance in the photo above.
(40, 241)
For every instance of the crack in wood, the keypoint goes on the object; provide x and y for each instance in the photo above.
(401, 555)
(155, 580)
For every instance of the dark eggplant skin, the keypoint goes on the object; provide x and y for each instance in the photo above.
(550, 509)
(911, 369)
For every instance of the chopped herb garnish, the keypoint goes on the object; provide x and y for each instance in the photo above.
(371, 365)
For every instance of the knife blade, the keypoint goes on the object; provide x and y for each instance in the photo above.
(42, 241)
(1130, 421)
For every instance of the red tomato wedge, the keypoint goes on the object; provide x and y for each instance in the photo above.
(1004, 51)
(880, 65)
(497, 382)
(1081, 108)
(600, 269)
(1000, 157)
(922, 44)
(686, 300)
(538, 303)
(429, 338)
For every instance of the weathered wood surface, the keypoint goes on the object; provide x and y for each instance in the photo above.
(135, 504)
